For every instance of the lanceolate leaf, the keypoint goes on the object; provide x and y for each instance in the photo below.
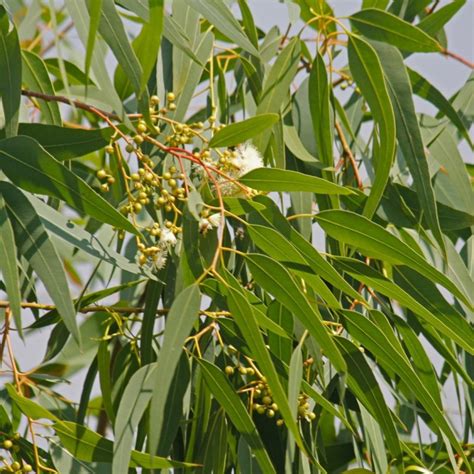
(35, 76)
(10, 78)
(367, 71)
(427, 91)
(112, 30)
(320, 106)
(236, 411)
(219, 15)
(450, 324)
(374, 340)
(87, 445)
(363, 383)
(277, 280)
(245, 319)
(240, 132)
(275, 179)
(377, 242)
(29, 166)
(8, 265)
(34, 244)
(383, 26)
(65, 143)
(408, 133)
(435, 21)
(183, 314)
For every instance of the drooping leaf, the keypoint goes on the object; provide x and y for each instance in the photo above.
(89, 446)
(35, 76)
(377, 242)
(65, 143)
(242, 131)
(320, 106)
(275, 179)
(10, 78)
(8, 265)
(181, 318)
(277, 280)
(34, 243)
(383, 26)
(29, 166)
(408, 133)
(112, 30)
(219, 15)
(236, 411)
(367, 72)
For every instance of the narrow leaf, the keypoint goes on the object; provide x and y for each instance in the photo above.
(29, 166)
(275, 179)
(240, 132)
(34, 244)
(383, 26)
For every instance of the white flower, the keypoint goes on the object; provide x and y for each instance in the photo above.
(159, 259)
(215, 219)
(248, 158)
(204, 225)
(207, 223)
(167, 237)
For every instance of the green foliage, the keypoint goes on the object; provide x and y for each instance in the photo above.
(244, 248)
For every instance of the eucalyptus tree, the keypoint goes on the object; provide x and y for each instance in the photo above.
(241, 247)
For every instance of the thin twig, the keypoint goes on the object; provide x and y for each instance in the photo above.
(459, 58)
(348, 154)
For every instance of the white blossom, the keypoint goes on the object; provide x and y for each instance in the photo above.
(207, 223)
(204, 225)
(215, 219)
(167, 238)
(248, 158)
(159, 259)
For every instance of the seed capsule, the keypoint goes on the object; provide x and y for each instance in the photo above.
(229, 370)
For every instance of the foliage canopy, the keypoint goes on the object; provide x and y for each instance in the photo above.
(241, 246)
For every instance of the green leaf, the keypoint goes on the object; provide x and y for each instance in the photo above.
(146, 46)
(380, 346)
(427, 91)
(34, 244)
(29, 166)
(10, 78)
(275, 179)
(409, 135)
(29, 407)
(374, 241)
(242, 313)
(364, 385)
(367, 71)
(240, 132)
(65, 143)
(183, 314)
(95, 9)
(320, 106)
(219, 15)
(8, 265)
(276, 86)
(383, 26)
(64, 461)
(275, 279)
(86, 445)
(112, 30)
(35, 76)
(455, 327)
(295, 145)
(237, 412)
(73, 234)
(291, 248)
(435, 21)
